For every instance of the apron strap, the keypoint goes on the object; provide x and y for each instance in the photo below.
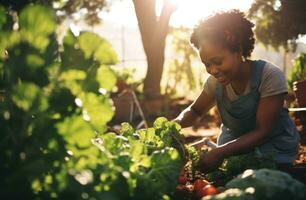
(257, 68)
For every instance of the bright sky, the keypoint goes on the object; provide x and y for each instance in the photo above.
(191, 11)
(188, 13)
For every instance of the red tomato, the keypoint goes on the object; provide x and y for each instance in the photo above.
(182, 179)
(199, 184)
(207, 190)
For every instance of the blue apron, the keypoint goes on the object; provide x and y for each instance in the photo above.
(239, 117)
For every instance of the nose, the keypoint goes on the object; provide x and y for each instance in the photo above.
(213, 70)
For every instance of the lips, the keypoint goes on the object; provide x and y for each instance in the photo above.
(222, 79)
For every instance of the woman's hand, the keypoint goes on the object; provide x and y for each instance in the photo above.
(210, 160)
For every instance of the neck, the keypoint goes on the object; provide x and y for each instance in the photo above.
(242, 76)
(244, 72)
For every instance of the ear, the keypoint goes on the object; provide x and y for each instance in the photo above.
(240, 54)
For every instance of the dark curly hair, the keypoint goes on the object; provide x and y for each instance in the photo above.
(231, 29)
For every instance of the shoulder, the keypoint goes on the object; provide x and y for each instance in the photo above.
(272, 74)
(268, 67)
(273, 80)
(210, 86)
(271, 69)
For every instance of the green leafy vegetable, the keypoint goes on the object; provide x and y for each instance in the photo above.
(269, 184)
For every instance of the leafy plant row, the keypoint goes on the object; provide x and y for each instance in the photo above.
(55, 104)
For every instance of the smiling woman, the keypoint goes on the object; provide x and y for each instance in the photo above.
(249, 94)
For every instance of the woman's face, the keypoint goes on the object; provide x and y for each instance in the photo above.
(221, 63)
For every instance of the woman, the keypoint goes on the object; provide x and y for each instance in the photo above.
(249, 94)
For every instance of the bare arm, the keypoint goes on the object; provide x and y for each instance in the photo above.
(268, 113)
(193, 112)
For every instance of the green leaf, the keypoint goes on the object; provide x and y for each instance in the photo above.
(73, 75)
(113, 144)
(93, 45)
(126, 129)
(2, 17)
(98, 110)
(137, 150)
(34, 60)
(29, 97)
(72, 79)
(160, 123)
(149, 137)
(161, 179)
(1, 73)
(139, 157)
(106, 78)
(89, 43)
(75, 131)
(37, 20)
(7, 40)
(73, 57)
(36, 24)
(69, 39)
(90, 84)
(269, 184)
(163, 157)
(85, 156)
(105, 54)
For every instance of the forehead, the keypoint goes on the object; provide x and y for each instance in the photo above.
(210, 50)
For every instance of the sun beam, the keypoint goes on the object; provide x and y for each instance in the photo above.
(189, 12)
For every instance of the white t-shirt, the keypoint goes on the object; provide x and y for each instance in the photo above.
(273, 82)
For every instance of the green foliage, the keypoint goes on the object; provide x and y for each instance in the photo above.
(232, 194)
(34, 26)
(298, 70)
(145, 158)
(180, 73)
(193, 154)
(2, 17)
(234, 165)
(56, 99)
(67, 8)
(108, 83)
(29, 98)
(53, 121)
(278, 23)
(269, 184)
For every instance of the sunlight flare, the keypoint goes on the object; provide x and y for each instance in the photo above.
(189, 12)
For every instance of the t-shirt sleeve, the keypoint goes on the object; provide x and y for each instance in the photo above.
(210, 86)
(273, 81)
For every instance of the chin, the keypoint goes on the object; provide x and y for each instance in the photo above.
(224, 83)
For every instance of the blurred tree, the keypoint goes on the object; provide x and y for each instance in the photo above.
(182, 63)
(65, 8)
(154, 30)
(279, 22)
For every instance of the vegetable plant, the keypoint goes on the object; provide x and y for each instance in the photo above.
(298, 70)
(269, 184)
